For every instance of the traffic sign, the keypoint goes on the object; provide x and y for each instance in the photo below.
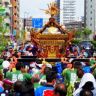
(37, 22)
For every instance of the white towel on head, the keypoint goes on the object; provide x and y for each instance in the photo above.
(86, 77)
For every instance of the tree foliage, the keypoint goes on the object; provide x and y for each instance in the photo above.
(83, 34)
(86, 32)
(78, 33)
(3, 30)
(76, 41)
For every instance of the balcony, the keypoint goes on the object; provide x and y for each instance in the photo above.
(14, 3)
(15, 17)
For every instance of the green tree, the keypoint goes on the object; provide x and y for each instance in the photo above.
(78, 34)
(86, 33)
(76, 41)
(3, 28)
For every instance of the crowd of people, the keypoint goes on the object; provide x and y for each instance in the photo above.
(64, 78)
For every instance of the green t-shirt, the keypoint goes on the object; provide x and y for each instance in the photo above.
(1, 67)
(27, 76)
(36, 85)
(14, 76)
(92, 62)
(1, 61)
(70, 76)
(94, 72)
(18, 75)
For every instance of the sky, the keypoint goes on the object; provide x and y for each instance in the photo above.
(79, 8)
(33, 8)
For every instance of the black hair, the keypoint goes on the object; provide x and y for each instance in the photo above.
(51, 76)
(18, 86)
(27, 88)
(80, 73)
(77, 64)
(15, 54)
(88, 86)
(47, 70)
(5, 58)
(60, 89)
(6, 49)
(28, 48)
(19, 65)
(24, 88)
(86, 93)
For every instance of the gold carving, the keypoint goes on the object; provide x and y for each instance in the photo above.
(52, 36)
(52, 52)
(51, 42)
(55, 36)
(52, 9)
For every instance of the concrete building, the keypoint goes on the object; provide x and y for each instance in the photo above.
(76, 25)
(67, 10)
(15, 17)
(28, 22)
(21, 24)
(90, 14)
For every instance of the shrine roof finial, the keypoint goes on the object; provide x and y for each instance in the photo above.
(52, 9)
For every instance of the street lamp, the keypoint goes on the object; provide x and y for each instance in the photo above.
(25, 18)
(26, 14)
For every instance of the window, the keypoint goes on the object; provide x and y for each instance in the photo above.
(91, 6)
(6, 3)
(90, 12)
(91, 24)
(91, 18)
